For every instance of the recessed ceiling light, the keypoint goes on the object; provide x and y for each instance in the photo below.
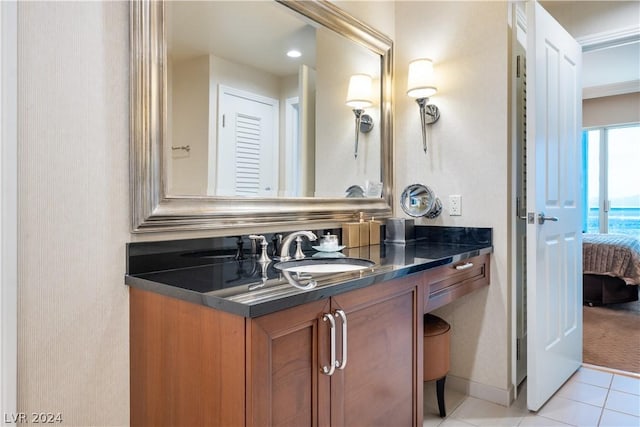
(294, 53)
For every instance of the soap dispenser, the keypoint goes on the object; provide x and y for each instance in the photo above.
(351, 234)
(374, 232)
(364, 231)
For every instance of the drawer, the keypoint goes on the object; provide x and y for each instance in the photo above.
(449, 282)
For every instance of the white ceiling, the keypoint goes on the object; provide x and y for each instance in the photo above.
(238, 32)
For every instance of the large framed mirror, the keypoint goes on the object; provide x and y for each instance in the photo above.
(227, 133)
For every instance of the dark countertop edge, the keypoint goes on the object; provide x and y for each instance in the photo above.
(302, 297)
(189, 296)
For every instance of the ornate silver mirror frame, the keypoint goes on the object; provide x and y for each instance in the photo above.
(154, 210)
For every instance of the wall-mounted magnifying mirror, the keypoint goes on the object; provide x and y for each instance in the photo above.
(419, 200)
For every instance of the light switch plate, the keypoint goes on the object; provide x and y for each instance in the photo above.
(455, 205)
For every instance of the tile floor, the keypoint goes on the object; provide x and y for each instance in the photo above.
(590, 398)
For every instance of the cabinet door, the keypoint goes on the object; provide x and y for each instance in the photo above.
(381, 384)
(284, 384)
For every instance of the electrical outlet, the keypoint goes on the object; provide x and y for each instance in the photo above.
(455, 205)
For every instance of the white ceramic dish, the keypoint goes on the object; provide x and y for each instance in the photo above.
(327, 249)
(328, 255)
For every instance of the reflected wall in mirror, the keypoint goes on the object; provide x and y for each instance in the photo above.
(256, 92)
(229, 132)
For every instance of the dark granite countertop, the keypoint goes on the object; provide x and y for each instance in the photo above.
(198, 272)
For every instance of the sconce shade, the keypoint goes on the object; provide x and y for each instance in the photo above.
(359, 93)
(421, 80)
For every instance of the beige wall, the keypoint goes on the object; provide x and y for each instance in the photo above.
(467, 156)
(381, 16)
(189, 125)
(336, 166)
(73, 210)
(611, 110)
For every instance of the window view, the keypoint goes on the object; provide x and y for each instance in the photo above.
(613, 180)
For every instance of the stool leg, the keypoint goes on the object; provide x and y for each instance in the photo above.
(440, 394)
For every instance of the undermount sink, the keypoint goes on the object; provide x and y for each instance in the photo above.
(324, 265)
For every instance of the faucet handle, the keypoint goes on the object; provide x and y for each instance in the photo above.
(299, 254)
(264, 258)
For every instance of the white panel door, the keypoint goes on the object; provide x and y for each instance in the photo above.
(554, 245)
(247, 155)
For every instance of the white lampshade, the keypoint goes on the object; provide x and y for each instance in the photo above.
(421, 80)
(359, 93)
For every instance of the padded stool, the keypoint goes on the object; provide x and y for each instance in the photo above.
(437, 344)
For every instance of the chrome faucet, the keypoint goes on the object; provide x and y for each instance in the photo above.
(264, 258)
(286, 242)
(295, 281)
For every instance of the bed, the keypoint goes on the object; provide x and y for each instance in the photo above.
(611, 268)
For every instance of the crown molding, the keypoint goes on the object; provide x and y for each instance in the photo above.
(607, 39)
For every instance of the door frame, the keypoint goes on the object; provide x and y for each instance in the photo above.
(291, 171)
(518, 20)
(8, 207)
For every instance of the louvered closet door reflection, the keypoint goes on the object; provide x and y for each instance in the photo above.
(247, 159)
(247, 155)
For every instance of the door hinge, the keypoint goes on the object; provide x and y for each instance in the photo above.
(224, 116)
(518, 210)
(517, 348)
(518, 66)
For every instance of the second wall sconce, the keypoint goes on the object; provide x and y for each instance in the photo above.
(359, 98)
(421, 85)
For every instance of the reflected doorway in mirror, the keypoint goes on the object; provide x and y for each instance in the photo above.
(247, 147)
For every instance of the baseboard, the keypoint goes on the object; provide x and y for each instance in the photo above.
(481, 391)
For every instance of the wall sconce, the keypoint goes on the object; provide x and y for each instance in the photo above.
(421, 85)
(359, 97)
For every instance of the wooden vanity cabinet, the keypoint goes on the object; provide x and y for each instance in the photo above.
(381, 383)
(197, 366)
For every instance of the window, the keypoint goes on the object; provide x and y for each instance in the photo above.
(612, 170)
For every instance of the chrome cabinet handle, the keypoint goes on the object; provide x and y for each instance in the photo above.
(542, 218)
(341, 364)
(332, 366)
(464, 266)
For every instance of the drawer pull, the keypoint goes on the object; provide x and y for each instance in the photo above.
(343, 317)
(464, 266)
(332, 366)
